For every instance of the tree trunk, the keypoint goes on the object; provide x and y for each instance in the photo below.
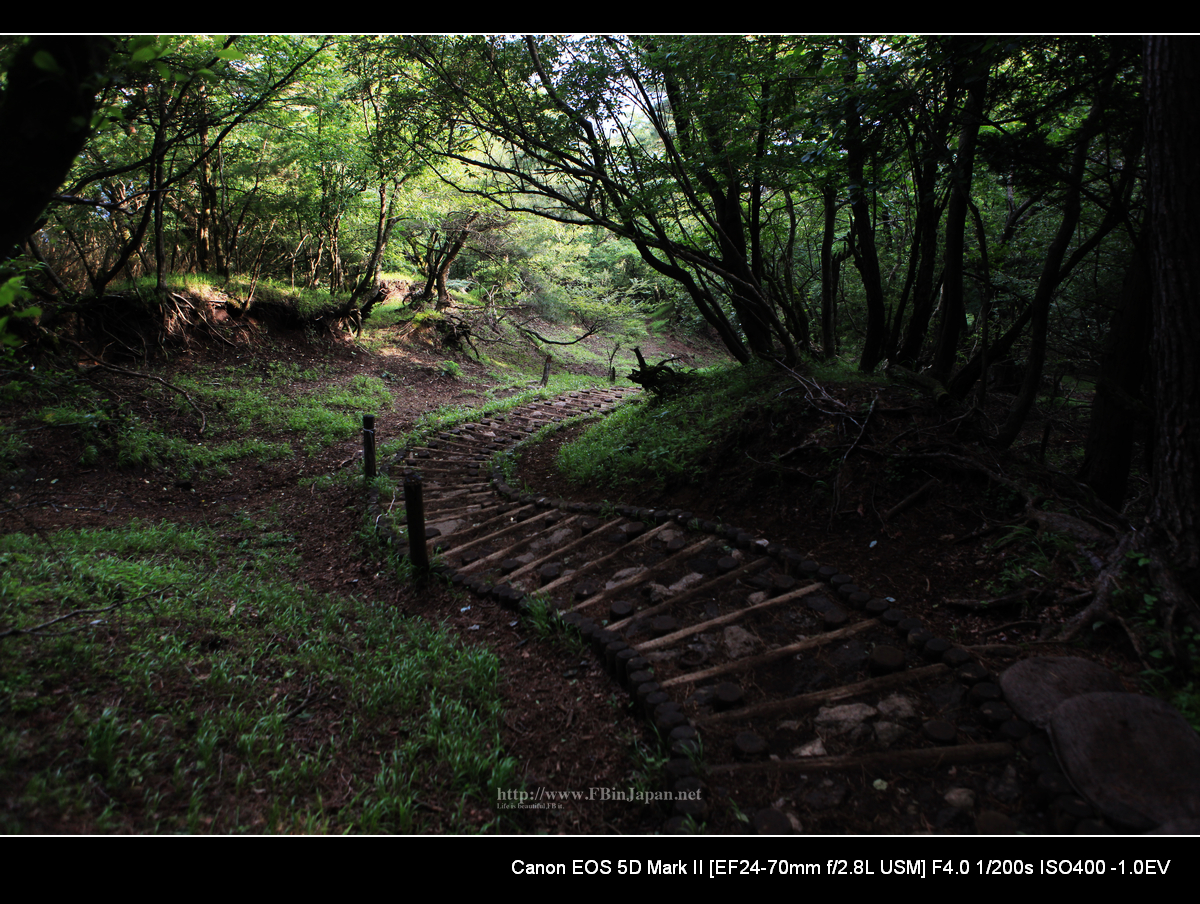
(865, 256)
(1109, 450)
(923, 256)
(1172, 88)
(1052, 276)
(953, 306)
(828, 274)
(442, 271)
(383, 234)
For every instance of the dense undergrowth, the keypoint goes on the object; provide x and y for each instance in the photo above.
(673, 440)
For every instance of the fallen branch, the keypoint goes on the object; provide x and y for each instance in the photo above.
(299, 708)
(923, 382)
(36, 629)
(810, 387)
(659, 379)
(982, 605)
(1012, 626)
(922, 758)
(910, 500)
(862, 431)
(102, 365)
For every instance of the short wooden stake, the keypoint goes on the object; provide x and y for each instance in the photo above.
(369, 445)
(414, 511)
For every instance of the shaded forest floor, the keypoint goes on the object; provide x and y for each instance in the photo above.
(804, 474)
(877, 481)
(562, 720)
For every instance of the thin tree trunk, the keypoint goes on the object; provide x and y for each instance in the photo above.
(865, 256)
(953, 306)
(828, 274)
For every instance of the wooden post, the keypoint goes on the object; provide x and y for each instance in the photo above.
(414, 509)
(369, 445)
(546, 371)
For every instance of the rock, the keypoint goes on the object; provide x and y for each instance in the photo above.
(839, 720)
(770, 821)
(1134, 757)
(1178, 827)
(884, 660)
(1005, 787)
(739, 642)
(661, 655)
(888, 733)
(990, 822)
(828, 796)
(962, 798)
(561, 536)
(897, 706)
(622, 576)
(748, 744)
(625, 574)
(812, 748)
(1034, 688)
(686, 581)
(940, 731)
(662, 625)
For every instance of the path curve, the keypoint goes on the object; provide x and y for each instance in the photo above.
(788, 698)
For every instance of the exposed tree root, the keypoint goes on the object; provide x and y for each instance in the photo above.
(1100, 609)
(102, 365)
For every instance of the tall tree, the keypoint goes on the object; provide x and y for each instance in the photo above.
(973, 64)
(1172, 85)
(865, 256)
(676, 144)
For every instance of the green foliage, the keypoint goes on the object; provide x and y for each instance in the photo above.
(649, 761)
(277, 679)
(251, 414)
(300, 162)
(12, 291)
(668, 440)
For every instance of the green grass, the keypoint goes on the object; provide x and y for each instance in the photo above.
(250, 414)
(306, 302)
(667, 440)
(200, 687)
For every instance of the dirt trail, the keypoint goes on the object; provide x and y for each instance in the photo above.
(788, 698)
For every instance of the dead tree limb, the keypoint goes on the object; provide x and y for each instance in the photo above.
(102, 365)
(910, 500)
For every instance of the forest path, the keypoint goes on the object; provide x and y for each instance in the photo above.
(784, 695)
